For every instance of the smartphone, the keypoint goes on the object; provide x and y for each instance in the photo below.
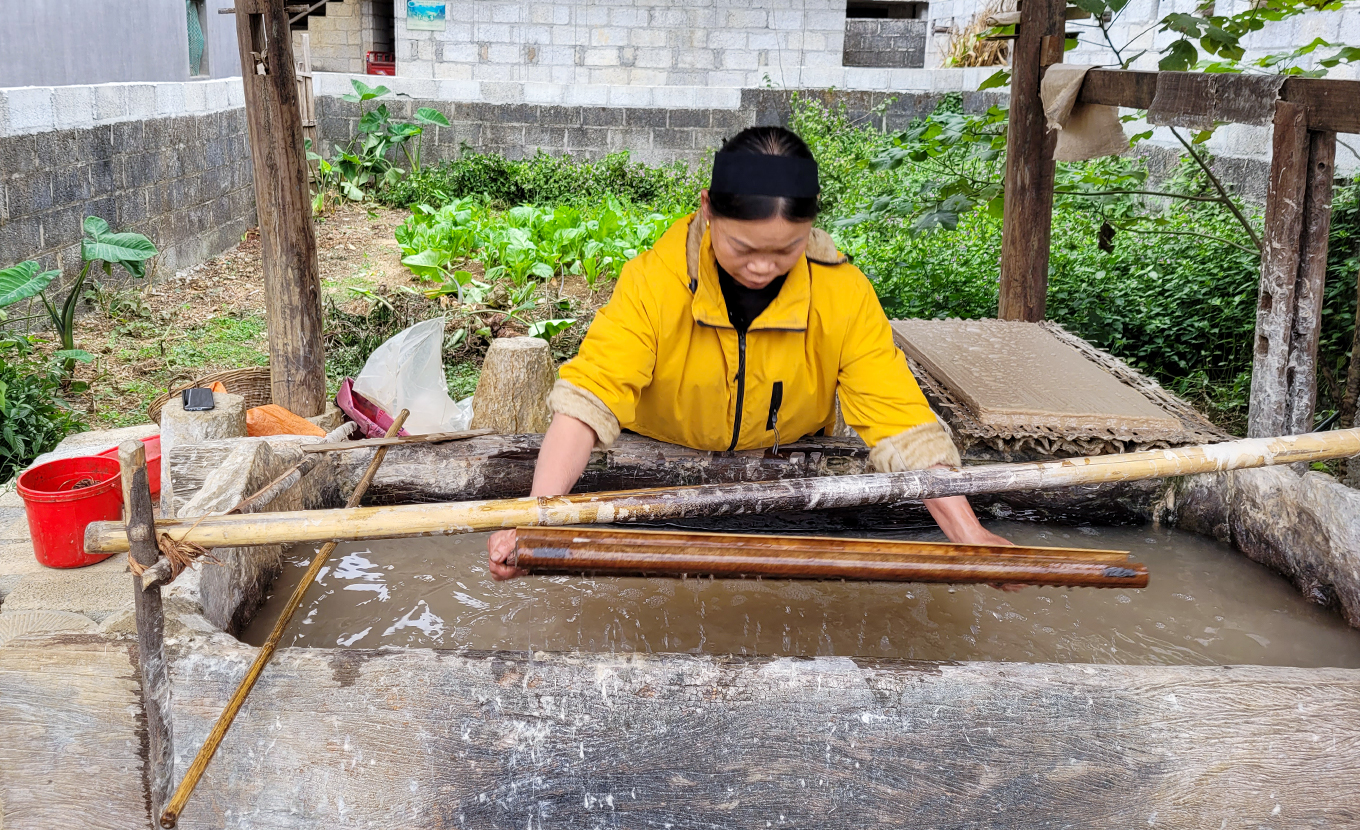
(197, 399)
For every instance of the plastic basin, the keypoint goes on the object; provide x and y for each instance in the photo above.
(153, 461)
(58, 511)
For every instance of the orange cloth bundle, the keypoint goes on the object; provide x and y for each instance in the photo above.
(272, 419)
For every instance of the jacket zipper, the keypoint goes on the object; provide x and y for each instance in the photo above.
(741, 387)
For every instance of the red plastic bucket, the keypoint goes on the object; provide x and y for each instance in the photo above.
(153, 461)
(58, 511)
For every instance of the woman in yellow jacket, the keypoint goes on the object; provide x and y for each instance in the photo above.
(737, 331)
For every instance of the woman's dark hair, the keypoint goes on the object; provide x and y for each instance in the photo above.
(764, 141)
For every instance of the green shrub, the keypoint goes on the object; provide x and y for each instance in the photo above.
(33, 418)
(1174, 298)
(549, 180)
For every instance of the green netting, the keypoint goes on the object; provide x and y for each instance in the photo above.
(195, 39)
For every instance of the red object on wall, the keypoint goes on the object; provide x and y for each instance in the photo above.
(380, 63)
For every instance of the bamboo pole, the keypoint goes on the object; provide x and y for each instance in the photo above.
(558, 550)
(735, 499)
(428, 438)
(205, 753)
(620, 536)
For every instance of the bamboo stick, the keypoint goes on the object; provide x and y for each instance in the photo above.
(736, 499)
(205, 753)
(777, 543)
(557, 550)
(428, 438)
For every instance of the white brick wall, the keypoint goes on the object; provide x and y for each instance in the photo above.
(39, 109)
(648, 43)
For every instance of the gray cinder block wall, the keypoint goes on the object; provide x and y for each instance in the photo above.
(166, 160)
(885, 42)
(653, 135)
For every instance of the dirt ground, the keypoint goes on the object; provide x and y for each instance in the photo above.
(211, 318)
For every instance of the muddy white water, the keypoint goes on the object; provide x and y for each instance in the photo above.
(1205, 605)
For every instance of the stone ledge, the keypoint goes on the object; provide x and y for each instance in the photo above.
(38, 109)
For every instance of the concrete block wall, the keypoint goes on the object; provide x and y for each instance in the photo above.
(167, 160)
(651, 134)
(348, 31)
(885, 43)
(336, 38)
(645, 43)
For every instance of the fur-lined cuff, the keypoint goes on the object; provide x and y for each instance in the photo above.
(922, 446)
(567, 398)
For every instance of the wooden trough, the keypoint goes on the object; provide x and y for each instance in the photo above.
(450, 738)
(440, 738)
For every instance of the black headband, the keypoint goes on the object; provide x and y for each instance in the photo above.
(754, 174)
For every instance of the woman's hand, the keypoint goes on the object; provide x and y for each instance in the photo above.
(956, 518)
(499, 549)
(979, 535)
(561, 459)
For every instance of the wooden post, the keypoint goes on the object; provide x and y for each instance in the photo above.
(292, 284)
(1301, 397)
(512, 393)
(1269, 410)
(1028, 220)
(150, 623)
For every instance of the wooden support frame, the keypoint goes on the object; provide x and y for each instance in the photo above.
(1279, 272)
(292, 282)
(1309, 113)
(1028, 220)
(1306, 326)
(150, 616)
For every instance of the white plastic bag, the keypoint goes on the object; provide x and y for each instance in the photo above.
(407, 372)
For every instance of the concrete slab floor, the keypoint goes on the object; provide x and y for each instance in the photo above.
(97, 591)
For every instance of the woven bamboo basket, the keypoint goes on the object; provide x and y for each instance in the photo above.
(251, 383)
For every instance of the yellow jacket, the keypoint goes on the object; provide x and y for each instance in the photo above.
(662, 359)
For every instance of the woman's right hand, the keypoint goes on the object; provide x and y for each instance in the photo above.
(499, 549)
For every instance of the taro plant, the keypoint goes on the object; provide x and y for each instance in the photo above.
(127, 250)
(365, 163)
(22, 281)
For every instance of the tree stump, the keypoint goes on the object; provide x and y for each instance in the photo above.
(512, 393)
(227, 419)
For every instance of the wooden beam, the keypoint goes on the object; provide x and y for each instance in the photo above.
(1028, 220)
(1119, 88)
(665, 504)
(1268, 410)
(1332, 105)
(150, 618)
(292, 284)
(1301, 393)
